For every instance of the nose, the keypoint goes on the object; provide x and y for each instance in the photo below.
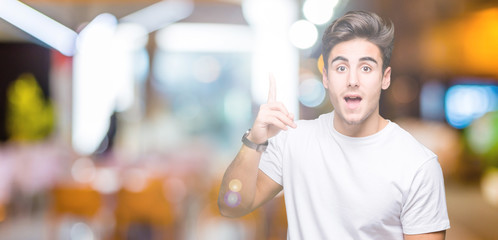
(353, 79)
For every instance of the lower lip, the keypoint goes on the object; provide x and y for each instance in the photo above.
(353, 104)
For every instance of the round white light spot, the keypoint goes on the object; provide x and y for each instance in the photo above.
(319, 11)
(303, 34)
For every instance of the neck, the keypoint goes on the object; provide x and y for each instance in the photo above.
(373, 124)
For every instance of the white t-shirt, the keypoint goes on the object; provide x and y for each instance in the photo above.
(340, 187)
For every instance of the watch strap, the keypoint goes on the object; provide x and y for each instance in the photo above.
(250, 144)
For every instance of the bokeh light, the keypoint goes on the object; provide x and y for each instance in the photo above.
(319, 11)
(303, 34)
(83, 170)
(232, 199)
(235, 185)
(489, 186)
(268, 13)
(311, 92)
(404, 89)
(134, 179)
(482, 138)
(81, 231)
(106, 181)
(464, 103)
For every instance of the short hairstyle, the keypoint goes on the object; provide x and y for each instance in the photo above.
(360, 24)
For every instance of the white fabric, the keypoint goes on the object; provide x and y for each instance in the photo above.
(339, 187)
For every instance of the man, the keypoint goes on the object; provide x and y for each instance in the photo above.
(349, 174)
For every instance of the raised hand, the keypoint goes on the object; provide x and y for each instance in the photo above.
(272, 117)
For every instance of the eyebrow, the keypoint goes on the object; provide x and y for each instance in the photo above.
(368, 59)
(341, 58)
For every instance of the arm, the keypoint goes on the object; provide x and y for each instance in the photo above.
(427, 236)
(256, 187)
(253, 186)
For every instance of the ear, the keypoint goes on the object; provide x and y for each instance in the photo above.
(386, 78)
(325, 79)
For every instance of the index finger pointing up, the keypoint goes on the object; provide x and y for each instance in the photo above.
(272, 90)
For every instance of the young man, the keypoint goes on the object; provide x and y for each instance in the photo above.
(350, 173)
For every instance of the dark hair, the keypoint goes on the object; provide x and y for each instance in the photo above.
(360, 24)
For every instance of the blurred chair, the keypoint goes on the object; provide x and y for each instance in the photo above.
(77, 200)
(73, 203)
(145, 214)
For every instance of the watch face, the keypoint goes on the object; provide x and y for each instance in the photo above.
(261, 148)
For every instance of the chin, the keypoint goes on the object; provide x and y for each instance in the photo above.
(352, 119)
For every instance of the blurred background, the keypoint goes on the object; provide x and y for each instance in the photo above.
(119, 117)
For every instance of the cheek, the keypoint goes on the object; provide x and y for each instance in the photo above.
(373, 83)
(374, 95)
(330, 82)
(334, 89)
(333, 96)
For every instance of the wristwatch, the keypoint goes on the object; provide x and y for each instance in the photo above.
(248, 143)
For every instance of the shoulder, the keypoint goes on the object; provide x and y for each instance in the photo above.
(406, 146)
(408, 141)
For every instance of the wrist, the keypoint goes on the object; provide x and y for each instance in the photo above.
(249, 142)
(251, 138)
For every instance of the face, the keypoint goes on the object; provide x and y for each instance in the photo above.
(354, 80)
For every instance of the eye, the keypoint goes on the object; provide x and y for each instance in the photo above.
(366, 69)
(341, 68)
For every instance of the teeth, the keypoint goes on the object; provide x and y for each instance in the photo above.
(352, 98)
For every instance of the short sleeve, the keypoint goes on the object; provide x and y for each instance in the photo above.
(424, 209)
(271, 159)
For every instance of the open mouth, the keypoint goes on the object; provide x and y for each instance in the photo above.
(352, 101)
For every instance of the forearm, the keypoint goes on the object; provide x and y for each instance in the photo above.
(239, 185)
